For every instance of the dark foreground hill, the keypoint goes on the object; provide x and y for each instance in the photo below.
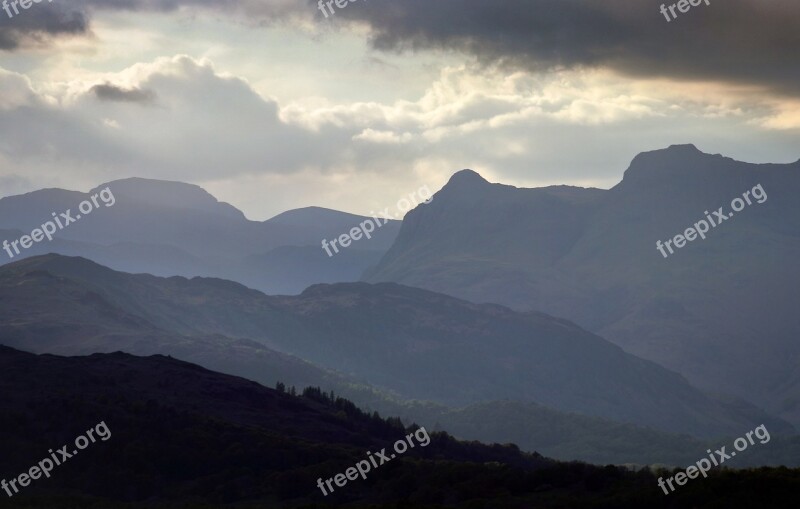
(722, 311)
(182, 436)
(416, 343)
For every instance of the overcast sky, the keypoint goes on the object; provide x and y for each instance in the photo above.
(270, 105)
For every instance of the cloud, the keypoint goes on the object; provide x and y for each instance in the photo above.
(109, 92)
(40, 23)
(522, 128)
(14, 184)
(45, 21)
(17, 90)
(205, 124)
(724, 41)
(382, 137)
(742, 41)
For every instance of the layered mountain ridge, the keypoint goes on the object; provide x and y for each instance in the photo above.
(418, 344)
(721, 311)
(171, 228)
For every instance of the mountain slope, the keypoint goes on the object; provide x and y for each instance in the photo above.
(171, 228)
(721, 311)
(416, 343)
(317, 223)
(180, 432)
(44, 313)
(179, 436)
(600, 441)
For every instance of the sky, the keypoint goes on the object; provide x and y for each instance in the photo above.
(272, 104)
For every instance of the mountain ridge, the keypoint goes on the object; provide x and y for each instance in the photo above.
(172, 228)
(494, 352)
(593, 260)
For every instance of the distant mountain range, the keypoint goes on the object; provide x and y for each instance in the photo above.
(170, 228)
(415, 343)
(721, 311)
(600, 441)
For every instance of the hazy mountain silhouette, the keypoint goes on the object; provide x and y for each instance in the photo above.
(414, 342)
(73, 320)
(722, 311)
(171, 228)
(600, 441)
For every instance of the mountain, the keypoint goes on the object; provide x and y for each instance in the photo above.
(412, 342)
(567, 436)
(317, 223)
(288, 269)
(71, 319)
(721, 311)
(170, 434)
(176, 431)
(45, 313)
(171, 228)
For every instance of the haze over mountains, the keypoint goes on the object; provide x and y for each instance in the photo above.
(43, 311)
(228, 300)
(415, 343)
(722, 311)
(171, 228)
(715, 311)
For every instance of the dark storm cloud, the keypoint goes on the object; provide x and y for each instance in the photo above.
(40, 22)
(47, 20)
(743, 41)
(109, 92)
(736, 41)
